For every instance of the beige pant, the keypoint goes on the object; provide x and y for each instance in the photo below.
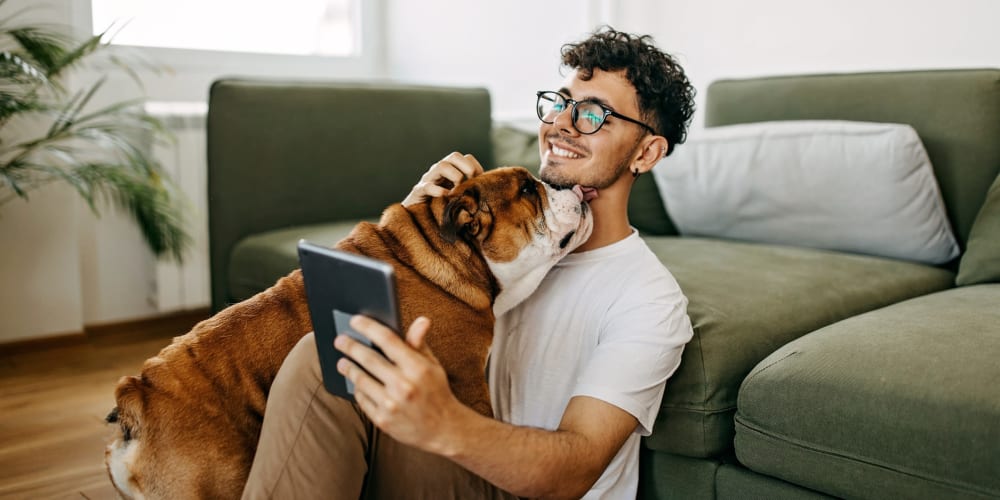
(316, 445)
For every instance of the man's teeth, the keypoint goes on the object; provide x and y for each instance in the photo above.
(564, 153)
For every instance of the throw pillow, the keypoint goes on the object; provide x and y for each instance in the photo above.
(513, 146)
(981, 262)
(849, 186)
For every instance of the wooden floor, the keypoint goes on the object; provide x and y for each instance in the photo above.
(53, 400)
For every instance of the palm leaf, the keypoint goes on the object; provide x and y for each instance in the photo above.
(44, 173)
(72, 57)
(125, 135)
(17, 69)
(33, 61)
(12, 177)
(12, 104)
(46, 48)
(126, 60)
(117, 110)
(73, 109)
(149, 201)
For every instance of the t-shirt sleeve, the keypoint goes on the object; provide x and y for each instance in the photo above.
(639, 348)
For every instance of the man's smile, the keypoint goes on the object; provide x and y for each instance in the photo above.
(563, 150)
(563, 153)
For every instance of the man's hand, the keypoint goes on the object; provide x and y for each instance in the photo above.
(442, 176)
(405, 393)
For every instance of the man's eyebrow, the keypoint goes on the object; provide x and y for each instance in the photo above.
(565, 91)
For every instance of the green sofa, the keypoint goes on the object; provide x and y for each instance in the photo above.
(811, 374)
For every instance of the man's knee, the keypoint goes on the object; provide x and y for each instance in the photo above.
(311, 441)
(302, 363)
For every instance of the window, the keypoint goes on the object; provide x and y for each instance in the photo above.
(292, 27)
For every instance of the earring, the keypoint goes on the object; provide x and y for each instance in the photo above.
(635, 173)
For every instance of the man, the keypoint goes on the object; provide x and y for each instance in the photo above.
(576, 372)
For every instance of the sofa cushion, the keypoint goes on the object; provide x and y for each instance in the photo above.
(645, 207)
(513, 146)
(852, 186)
(746, 300)
(288, 153)
(959, 130)
(667, 476)
(902, 402)
(981, 262)
(733, 482)
(258, 261)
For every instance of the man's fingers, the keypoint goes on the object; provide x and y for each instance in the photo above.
(416, 336)
(372, 361)
(444, 170)
(454, 168)
(365, 386)
(410, 359)
(435, 191)
(384, 384)
(467, 164)
(389, 341)
(428, 189)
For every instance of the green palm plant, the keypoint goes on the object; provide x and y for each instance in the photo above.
(103, 154)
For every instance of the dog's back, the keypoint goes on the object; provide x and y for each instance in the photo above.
(202, 399)
(188, 425)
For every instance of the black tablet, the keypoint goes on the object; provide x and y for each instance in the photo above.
(338, 286)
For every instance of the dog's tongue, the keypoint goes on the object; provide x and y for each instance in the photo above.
(585, 193)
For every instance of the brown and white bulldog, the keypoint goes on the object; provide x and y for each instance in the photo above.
(188, 424)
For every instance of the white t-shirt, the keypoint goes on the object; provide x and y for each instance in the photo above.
(610, 324)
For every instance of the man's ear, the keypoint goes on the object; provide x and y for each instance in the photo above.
(460, 218)
(653, 150)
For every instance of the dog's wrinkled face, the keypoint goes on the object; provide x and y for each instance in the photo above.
(139, 470)
(522, 226)
(120, 454)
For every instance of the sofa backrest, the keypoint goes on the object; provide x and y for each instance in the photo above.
(287, 153)
(955, 112)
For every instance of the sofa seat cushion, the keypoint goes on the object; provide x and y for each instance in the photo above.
(902, 402)
(733, 482)
(258, 261)
(745, 301)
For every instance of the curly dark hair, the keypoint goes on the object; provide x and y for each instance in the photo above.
(666, 97)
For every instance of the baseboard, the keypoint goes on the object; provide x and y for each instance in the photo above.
(43, 343)
(167, 325)
(176, 323)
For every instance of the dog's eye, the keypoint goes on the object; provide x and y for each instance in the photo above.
(529, 188)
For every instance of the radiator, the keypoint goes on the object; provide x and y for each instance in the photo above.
(185, 286)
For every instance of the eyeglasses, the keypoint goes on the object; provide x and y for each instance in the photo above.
(588, 116)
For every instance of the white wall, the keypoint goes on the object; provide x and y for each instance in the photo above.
(61, 269)
(510, 47)
(40, 268)
(729, 39)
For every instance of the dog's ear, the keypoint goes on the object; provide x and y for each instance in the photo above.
(129, 399)
(460, 216)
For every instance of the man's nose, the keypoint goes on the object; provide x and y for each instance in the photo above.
(564, 121)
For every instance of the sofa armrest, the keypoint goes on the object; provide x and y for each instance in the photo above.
(282, 154)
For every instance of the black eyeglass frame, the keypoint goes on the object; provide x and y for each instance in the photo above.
(574, 115)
